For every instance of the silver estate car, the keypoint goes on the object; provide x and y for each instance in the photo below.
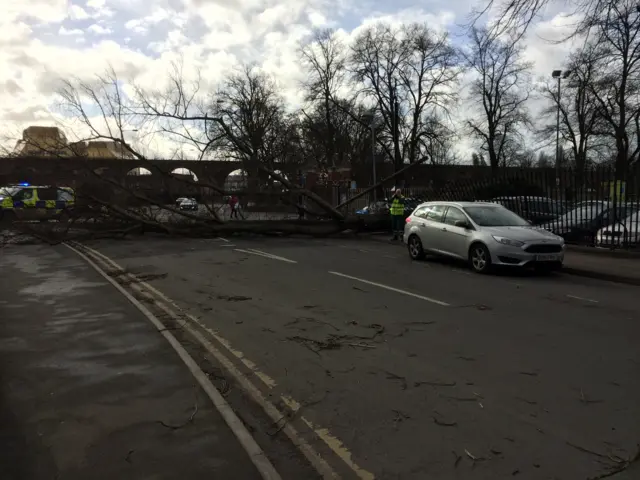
(484, 234)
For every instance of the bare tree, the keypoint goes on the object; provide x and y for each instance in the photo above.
(517, 154)
(544, 160)
(519, 15)
(500, 89)
(324, 58)
(352, 138)
(439, 142)
(477, 160)
(578, 108)
(410, 74)
(617, 87)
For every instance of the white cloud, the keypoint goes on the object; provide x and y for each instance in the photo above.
(76, 12)
(99, 29)
(208, 37)
(69, 32)
(45, 11)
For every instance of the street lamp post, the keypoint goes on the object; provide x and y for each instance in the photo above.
(373, 157)
(559, 74)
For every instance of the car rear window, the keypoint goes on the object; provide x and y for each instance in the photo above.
(435, 213)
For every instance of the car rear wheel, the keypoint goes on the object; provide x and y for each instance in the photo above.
(416, 252)
(479, 258)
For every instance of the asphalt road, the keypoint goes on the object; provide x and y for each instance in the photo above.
(89, 390)
(420, 370)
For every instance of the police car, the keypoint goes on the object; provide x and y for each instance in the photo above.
(31, 202)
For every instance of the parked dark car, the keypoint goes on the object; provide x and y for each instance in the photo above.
(582, 224)
(375, 208)
(535, 209)
(189, 204)
(376, 215)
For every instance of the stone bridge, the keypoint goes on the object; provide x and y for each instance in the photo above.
(79, 170)
(82, 173)
(71, 170)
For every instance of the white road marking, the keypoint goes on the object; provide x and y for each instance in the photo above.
(390, 256)
(228, 245)
(222, 239)
(265, 254)
(582, 298)
(393, 289)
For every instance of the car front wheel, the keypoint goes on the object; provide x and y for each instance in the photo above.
(416, 252)
(480, 258)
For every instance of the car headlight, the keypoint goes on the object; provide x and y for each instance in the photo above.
(508, 241)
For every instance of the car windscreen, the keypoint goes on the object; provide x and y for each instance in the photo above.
(581, 214)
(489, 216)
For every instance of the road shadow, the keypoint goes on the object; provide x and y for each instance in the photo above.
(499, 271)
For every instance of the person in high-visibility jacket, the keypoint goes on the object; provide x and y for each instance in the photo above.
(397, 214)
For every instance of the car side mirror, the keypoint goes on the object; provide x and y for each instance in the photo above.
(462, 224)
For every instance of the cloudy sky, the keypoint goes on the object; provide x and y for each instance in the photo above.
(42, 41)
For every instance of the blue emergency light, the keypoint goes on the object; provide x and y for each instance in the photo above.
(23, 184)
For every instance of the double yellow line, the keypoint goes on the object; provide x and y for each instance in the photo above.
(204, 335)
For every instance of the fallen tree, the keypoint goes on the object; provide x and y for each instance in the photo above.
(208, 125)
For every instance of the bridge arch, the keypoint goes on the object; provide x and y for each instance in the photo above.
(186, 172)
(139, 171)
(236, 180)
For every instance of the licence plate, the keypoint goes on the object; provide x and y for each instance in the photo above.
(547, 258)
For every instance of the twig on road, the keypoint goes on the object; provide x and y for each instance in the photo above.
(457, 459)
(585, 400)
(128, 457)
(233, 298)
(435, 384)
(189, 420)
(400, 416)
(362, 345)
(319, 345)
(623, 465)
(597, 454)
(310, 319)
(443, 423)
(460, 399)
(473, 458)
(393, 376)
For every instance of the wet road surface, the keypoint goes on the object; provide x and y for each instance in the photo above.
(90, 390)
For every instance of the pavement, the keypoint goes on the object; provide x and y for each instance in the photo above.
(615, 266)
(416, 370)
(88, 387)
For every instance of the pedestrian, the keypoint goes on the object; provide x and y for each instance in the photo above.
(300, 207)
(233, 205)
(397, 214)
